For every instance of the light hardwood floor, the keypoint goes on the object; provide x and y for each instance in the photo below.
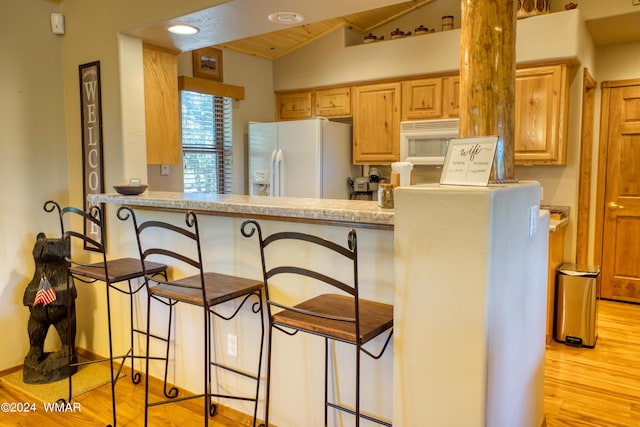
(95, 410)
(597, 387)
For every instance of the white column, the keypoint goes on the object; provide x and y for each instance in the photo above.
(469, 306)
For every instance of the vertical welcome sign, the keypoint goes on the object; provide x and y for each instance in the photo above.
(91, 117)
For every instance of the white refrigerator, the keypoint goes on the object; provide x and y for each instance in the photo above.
(302, 158)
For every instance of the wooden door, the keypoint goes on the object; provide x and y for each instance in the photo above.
(620, 260)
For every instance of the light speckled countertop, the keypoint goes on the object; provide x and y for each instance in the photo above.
(559, 216)
(359, 213)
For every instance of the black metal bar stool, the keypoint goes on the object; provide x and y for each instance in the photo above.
(339, 316)
(112, 272)
(158, 239)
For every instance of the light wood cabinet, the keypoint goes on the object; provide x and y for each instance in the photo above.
(162, 106)
(451, 97)
(335, 102)
(541, 115)
(293, 105)
(541, 111)
(422, 99)
(376, 123)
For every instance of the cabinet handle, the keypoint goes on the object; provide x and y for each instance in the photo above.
(614, 206)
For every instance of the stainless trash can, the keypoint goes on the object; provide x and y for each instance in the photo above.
(577, 305)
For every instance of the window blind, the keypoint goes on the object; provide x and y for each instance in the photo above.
(206, 143)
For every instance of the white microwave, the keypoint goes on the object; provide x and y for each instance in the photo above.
(424, 142)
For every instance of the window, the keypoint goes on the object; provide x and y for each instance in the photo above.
(206, 143)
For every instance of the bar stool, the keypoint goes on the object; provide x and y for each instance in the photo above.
(202, 289)
(341, 316)
(111, 272)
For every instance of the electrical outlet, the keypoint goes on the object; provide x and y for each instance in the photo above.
(232, 345)
(164, 170)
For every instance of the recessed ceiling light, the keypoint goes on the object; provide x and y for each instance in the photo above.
(185, 29)
(286, 17)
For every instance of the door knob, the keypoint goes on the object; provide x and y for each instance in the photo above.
(614, 206)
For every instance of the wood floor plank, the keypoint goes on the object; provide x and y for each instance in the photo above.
(597, 387)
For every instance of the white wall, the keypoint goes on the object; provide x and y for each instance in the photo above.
(33, 166)
(618, 62)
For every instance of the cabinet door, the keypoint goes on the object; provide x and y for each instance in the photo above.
(376, 123)
(293, 106)
(161, 106)
(422, 99)
(541, 115)
(451, 97)
(333, 102)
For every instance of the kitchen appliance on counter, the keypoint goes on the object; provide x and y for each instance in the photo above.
(301, 158)
(366, 187)
(424, 142)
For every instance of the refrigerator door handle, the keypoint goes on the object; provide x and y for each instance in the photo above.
(279, 173)
(273, 174)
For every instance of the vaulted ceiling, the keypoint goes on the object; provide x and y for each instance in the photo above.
(278, 43)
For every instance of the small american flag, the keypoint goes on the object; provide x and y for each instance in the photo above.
(46, 294)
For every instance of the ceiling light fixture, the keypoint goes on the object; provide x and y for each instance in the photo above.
(184, 29)
(286, 17)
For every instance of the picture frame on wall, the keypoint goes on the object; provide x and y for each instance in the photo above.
(207, 63)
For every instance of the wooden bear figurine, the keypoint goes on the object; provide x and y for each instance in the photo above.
(47, 296)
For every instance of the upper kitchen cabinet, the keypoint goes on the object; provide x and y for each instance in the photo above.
(451, 97)
(542, 101)
(422, 99)
(376, 123)
(335, 102)
(293, 105)
(331, 102)
(162, 105)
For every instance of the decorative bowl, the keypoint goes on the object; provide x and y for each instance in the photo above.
(130, 190)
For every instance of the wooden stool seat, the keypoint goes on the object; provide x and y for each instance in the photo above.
(375, 318)
(119, 270)
(219, 288)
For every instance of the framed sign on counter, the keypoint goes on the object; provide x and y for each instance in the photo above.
(469, 160)
(92, 157)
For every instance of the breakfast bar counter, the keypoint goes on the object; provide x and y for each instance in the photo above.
(225, 250)
(359, 213)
